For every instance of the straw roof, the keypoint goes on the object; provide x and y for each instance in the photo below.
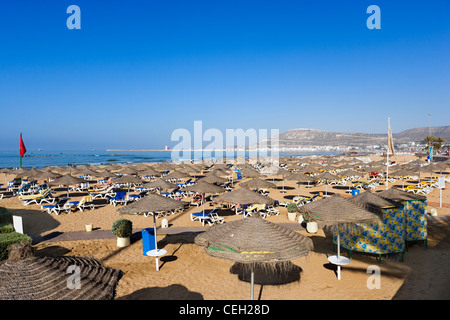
(26, 277)
(66, 180)
(300, 177)
(104, 174)
(149, 172)
(375, 200)
(88, 171)
(254, 240)
(213, 179)
(204, 187)
(128, 170)
(249, 173)
(47, 175)
(177, 175)
(338, 209)
(28, 173)
(20, 170)
(163, 166)
(160, 183)
(141, 167)
(258, 184)
(399, 195)
(128, 179)
(350, 173)
(243, 196)
(271, 170)
(151, 203)
(402, 172)
(327, 176)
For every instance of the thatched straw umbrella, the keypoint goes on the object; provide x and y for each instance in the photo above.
(350, 173)
(254, 241)
(26, 277)
(163, 166)
(299, 178)
(129, 179)
(128, 170)
(337, 209)
(31, 174)
(141, 167)
(213, 179)
(257, 183)
(243, 196)
(402, 173)
(327, 177)
(249, 173)
(19, 173)
(66, 180)
(150, 204)
(44, 175)
(85, 171)
(149, 172)
(206, 188)
(177, 175)
(160, 184)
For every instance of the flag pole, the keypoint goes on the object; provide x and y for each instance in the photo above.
(20, 165)
(387, 156)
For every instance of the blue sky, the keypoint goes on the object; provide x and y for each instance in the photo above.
(138, 70)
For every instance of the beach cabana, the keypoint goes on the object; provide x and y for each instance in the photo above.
(384, 237)
(338, 211)
(415, 213)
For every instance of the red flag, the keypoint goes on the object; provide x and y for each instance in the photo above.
(23, 150)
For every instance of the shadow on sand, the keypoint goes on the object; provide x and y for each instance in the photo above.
(172, 292)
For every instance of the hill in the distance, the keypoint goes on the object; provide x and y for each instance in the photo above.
(316, 138)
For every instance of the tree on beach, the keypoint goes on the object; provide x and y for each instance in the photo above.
(435, 142)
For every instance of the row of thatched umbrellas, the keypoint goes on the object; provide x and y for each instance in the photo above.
(254, 240)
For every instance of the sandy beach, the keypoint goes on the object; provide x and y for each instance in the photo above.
(188, 273)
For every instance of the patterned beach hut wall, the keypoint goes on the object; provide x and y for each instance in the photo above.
(415, 211)
(388, 236)
(416, 219)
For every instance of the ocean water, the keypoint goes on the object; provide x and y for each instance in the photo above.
(42, 158)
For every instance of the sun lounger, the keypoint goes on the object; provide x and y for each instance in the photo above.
(138, 196)
(120, 198)
(56, 208)
(270, 210)
(103, 193)
(39, 198)
(210, 217)
(85, 203)
(22, 190)
(84, 186)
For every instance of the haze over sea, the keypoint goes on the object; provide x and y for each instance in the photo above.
(42, 158)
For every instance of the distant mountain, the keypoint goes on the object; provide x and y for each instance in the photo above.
(317, 138)
(418, 134)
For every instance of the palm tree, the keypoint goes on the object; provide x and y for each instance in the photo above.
(437, 143)
(429, 140)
